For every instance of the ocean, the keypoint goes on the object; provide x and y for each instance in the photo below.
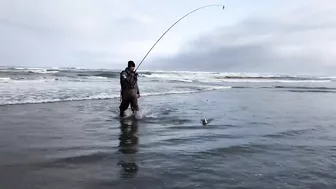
(59, 128)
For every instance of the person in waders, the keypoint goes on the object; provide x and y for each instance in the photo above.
(129, 89)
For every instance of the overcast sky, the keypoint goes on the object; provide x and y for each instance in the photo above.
(282, 36)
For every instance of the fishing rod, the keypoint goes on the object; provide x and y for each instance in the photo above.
(173, 26)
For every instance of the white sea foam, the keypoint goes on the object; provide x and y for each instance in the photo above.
(272, 81)
(212, 77)
(30, 70)
(36, 100)
(25, 80)
(44, 71)
(17, 88)
(4, 79)
(43, 99)
(97, 77)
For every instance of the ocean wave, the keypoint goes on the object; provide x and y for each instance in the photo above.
(173, 80)
(98, 74)
(164, 76)
(108, 75)
(104, 96)
(178, 77)
(187, 91)
(27, 80)
(291, 133)
(53, 79)
(213, 77)
(4, 79)
(243, 80)
(97, 77)
(44, 71)
(312, 91)
(41, 101)
(29, 70)
(304, 87)
(236, 75)
(19, 68)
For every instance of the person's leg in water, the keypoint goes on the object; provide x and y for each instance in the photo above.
(134, 103)
(124, 105)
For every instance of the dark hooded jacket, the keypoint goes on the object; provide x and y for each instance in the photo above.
(129, 82)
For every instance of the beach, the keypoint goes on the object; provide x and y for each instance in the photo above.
(60, 129)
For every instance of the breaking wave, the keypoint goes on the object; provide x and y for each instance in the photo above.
(168, 76)
(29, 70)
(47, 85)
(102, 96)
(214, 77)
(303, 87)
(51, 100)
(306, 89)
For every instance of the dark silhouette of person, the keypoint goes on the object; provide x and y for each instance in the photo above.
(129, 92)
(128, 143)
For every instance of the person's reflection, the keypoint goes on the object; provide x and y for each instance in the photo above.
(128, 143)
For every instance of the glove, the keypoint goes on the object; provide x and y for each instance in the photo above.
(135, 76)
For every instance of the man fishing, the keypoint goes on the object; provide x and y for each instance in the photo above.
(129, 89)
(128, 77)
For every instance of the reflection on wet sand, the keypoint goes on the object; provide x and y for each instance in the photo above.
(128, 147)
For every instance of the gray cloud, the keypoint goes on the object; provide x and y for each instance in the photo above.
(296, 43)
(278, 36)
(69, 33)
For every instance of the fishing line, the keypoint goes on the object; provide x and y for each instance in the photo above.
(173, 26)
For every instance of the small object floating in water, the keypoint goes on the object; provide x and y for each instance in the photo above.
(204, 121)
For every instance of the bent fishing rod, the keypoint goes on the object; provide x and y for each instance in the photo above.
(173, 26)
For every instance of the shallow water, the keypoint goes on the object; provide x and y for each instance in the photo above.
(257, 138)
